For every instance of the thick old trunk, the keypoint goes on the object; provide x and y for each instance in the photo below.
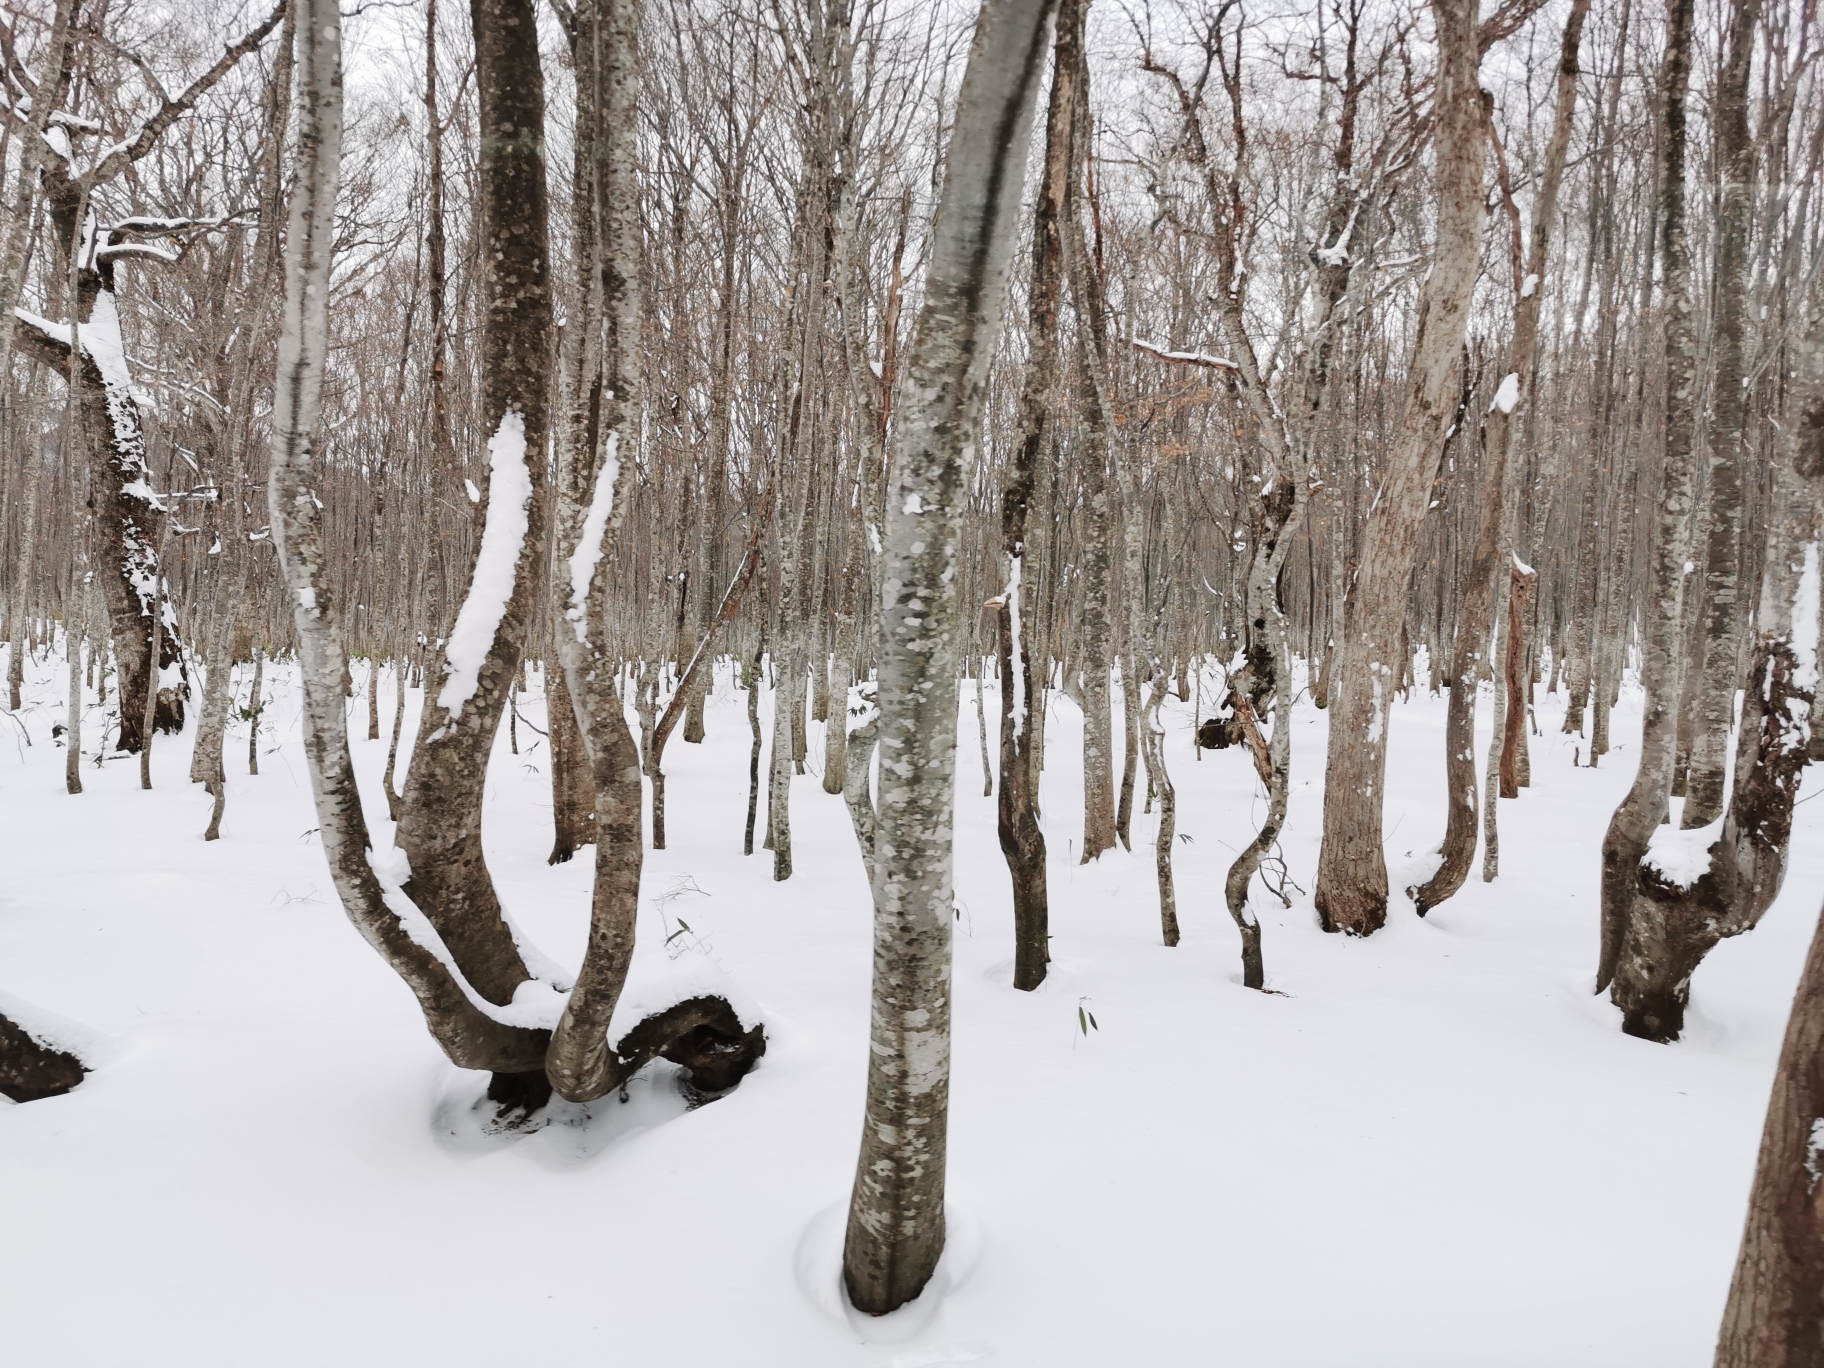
(1351, 893)
(1673, 919)
(128, 522)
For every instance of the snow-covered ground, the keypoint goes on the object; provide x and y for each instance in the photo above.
(1433, 1147)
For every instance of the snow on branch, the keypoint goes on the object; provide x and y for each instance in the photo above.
(1186, 358)
(147, 227)
(122, 154)
(117, 250)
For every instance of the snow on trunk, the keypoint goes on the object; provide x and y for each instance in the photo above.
(589, 544)
(503, 537)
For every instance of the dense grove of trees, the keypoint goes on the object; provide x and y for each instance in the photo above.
(872, 348)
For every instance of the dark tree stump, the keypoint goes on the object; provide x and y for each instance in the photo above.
(30, 1070)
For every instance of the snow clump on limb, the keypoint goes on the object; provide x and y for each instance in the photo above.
(588, 553)
(503, 537)
(1507, 395)
(1681, 858)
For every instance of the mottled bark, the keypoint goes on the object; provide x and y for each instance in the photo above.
(468, 1034)
(1499, 435)
(1022, 840)
(1669, 925)
(1095, 625)
(1351, 893)
(1153, 751)
(1644, 806)
(1774, 1317)
(753, 674)
(128, 518)
(441, 812)
(896, 1214)
(1723, 611)
(603, 367)
(857, 793)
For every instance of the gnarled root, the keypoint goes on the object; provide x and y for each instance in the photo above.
(702, 1034)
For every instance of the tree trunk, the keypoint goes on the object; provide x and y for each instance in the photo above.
(754, 672)
(704, 1034)
(1476, 603)
(1022, 693)
(1724, 615)
(1774, 1317)
(1352, 870)
(441, 813)
(896, 1215)
(1641, 811)
(1095, 627)
(1672, 919)
(572, 792)
(470, 1036)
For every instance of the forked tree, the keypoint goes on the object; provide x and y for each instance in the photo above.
(470, 979)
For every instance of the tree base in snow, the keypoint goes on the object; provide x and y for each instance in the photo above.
(519, 1092)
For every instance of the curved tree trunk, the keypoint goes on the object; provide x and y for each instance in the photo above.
(1022, 695)
(704, 1033)
(1673, 920)
(1475, 606)
(466, 698)
(470, 1035)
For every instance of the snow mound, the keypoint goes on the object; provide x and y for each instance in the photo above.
(656, 982)
(56, 1032)
(817, 1265)
(1681, 858)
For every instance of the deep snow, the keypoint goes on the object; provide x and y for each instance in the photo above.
(1432, 1147)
